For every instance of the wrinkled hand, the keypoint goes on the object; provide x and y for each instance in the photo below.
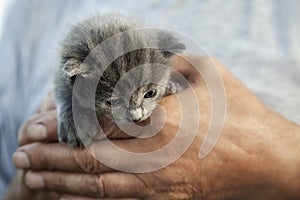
(243, 165)
(35, 131)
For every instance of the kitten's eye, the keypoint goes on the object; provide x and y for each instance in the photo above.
(115, 101)
(150, 94)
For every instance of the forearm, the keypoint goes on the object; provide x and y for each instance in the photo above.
(290, 177)
(17, 189)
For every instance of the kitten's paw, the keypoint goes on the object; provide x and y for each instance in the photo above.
(69, 135)
(74, 141)
(62, 133)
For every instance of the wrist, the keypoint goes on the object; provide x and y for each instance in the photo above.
(279, 164)
(263, 162)
(290, 156)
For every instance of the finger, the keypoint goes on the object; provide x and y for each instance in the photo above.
(40, 127)
(69, 197)
(106, 185)
(54, 156)
(59, 157)
(27, 135)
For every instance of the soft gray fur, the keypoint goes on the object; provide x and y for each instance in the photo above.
(80, 44)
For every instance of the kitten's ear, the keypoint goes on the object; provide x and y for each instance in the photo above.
(169, 44)
(73, 67)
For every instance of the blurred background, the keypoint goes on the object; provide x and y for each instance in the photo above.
(3, 7)
(258, 40)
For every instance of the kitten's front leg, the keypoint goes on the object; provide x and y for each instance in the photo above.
(67, 131)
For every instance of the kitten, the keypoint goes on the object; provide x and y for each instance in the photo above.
(81, 41)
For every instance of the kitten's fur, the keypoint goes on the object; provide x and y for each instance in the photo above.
(79, 43)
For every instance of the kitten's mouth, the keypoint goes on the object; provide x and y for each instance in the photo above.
(138, 120)
(143, 122)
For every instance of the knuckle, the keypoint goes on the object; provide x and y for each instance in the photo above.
(22, 131)
(148, 191)
(100, 186)
(86, 162)
(61, 182)
(54, 181)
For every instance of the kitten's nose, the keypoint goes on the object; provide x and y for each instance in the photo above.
(136, 114)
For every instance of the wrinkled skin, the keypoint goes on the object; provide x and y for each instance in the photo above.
(249, 161)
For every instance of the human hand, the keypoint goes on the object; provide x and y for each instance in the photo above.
(33, 130)
(248, 162)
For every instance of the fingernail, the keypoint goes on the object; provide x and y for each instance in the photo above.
(34, 180)
(21, 160)
(37, 132)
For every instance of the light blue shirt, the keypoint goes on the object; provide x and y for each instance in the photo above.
(257, 40)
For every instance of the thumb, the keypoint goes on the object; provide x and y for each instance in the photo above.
(40, 127)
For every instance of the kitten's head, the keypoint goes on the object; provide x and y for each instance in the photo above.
(137, 95)
(134, 94)
(136, 108)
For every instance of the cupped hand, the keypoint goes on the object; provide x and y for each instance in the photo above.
(236, 168)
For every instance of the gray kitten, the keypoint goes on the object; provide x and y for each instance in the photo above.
(81, 58)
